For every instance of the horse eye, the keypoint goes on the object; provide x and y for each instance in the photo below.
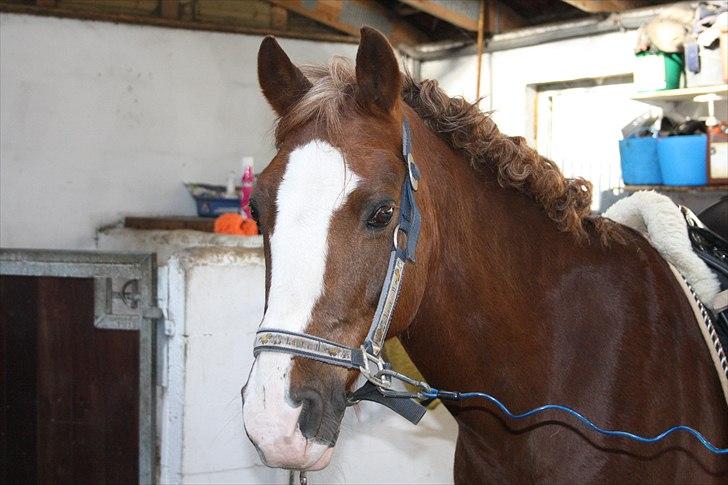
(254, 213)
(381, 216)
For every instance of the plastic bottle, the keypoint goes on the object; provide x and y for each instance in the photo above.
(718, 154)
(717, 131)
(230, 185)
(248, 181)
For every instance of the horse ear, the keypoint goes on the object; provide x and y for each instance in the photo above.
(283, 84)
(377, 72)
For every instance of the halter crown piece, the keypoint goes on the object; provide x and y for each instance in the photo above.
(367, 358)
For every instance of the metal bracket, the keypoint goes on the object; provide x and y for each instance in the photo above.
(117, 305)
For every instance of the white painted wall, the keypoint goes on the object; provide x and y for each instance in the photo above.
(583, 139)
(506, 75)
(214, 297)
(101, 120)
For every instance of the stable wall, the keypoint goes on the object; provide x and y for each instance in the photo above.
(507, 75)
(101, 120)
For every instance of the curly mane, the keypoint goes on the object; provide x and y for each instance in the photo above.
(469, 130)
(567, 201)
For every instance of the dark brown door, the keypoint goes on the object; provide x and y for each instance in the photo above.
(70, 391)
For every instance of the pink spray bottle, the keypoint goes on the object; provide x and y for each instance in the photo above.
(248, 181)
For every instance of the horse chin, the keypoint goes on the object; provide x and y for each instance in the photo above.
(323, 461)
(316, 457)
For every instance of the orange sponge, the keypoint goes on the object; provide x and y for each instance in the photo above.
(236, 224)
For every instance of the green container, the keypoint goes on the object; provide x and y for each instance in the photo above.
(657, 71)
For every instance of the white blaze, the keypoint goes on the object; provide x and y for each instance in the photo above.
(316, 183)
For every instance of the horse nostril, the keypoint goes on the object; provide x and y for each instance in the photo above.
(310, 419)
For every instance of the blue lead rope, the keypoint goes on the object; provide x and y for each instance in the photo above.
(458, 396)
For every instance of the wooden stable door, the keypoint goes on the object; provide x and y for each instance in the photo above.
(70, 391)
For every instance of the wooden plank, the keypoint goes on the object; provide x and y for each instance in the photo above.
(348, 17)
(18, 374)
(278, 17)
(479, 47)
(601, 6)
(501, 18)
(441, 11)
(169, 8)
(130, 7)
(205, 224)
(88, 390)
(70, 391)
(172, 23)
(253, 13)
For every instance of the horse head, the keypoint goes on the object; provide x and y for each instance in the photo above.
(327, 205)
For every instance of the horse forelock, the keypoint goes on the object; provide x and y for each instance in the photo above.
(472, 132)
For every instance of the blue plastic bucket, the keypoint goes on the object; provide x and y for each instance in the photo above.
(640, 165)
(683, 159)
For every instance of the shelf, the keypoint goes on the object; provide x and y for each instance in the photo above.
(205, 224)
(660, 98)
(678, 188)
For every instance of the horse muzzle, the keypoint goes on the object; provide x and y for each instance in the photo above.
(283, 424)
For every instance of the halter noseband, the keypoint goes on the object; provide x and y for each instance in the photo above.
(367, 358)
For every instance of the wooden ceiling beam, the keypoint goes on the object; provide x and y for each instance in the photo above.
(460, 18)
(464, 14)
(159, 21)
(502, 18)
(169, 9)
(349, 16)
(605, 6)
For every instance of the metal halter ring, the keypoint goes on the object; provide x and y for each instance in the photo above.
(373, 370)
(397, 230)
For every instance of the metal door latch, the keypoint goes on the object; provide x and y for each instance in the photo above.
(118, 305)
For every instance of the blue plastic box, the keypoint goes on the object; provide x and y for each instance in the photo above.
(683, 159)
(640, 165)
(211, 200)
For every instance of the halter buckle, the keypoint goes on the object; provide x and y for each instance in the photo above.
(373, 370)
(413, 172)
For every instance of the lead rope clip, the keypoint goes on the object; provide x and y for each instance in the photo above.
(302, 478)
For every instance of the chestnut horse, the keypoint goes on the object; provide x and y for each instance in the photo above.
(517, 290)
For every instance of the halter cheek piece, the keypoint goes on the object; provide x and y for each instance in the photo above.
(367, 358)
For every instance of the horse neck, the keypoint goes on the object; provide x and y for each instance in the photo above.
(511, 303)
(493, 247)
(514, 307)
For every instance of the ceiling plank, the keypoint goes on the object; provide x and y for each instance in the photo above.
(465, 13)
(501, 18)
(605, 6)
(348, 17)
(278, 18)
(159, 21)
(169, 8)
(458, 17)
